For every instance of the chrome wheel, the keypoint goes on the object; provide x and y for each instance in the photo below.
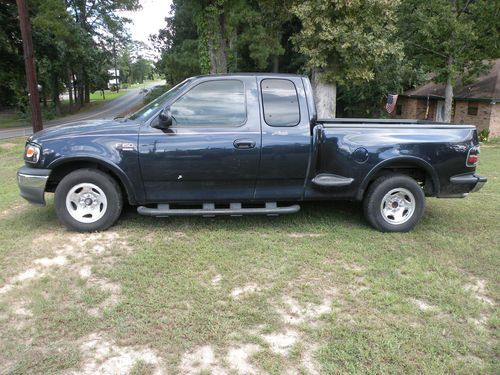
(86, 203)
(397, 206)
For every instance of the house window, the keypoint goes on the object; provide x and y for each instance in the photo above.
(399, 109)
(472, 109)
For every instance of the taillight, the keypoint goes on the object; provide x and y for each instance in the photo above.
(473, 156)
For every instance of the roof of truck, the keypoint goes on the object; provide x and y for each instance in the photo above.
(252, 74)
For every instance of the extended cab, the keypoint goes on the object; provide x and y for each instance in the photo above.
(246, 144)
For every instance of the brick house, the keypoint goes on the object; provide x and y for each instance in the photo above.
(477, 103)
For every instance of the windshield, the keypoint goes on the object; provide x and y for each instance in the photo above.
(147, 111)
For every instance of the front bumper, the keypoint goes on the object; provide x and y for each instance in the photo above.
(31, 182)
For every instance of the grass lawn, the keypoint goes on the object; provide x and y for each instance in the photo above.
(109, 95)
(14, 120)
(315, 292)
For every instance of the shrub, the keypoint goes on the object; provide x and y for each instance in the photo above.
(155, 92)
(484, 135)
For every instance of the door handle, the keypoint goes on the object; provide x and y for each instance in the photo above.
(244, 143)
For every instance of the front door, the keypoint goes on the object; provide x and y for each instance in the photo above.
(211, 152)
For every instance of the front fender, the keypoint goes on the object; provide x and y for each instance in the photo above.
(134, 191)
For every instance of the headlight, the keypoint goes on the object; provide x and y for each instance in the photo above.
(32, 153)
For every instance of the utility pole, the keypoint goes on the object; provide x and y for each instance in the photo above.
(116, 72)
(29, 63)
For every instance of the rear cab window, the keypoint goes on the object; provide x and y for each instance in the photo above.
(280, 102)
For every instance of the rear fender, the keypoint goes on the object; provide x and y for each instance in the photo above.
(410, 160)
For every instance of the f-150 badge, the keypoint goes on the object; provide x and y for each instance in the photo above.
(125, 146)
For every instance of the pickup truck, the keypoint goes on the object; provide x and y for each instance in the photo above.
(245, 144)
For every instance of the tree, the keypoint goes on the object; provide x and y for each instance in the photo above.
(102, 26)
(344, 41)
(451, 39)
(12, 75)
(230, 36)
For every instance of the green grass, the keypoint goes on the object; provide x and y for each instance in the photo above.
(109, 95)
(166, 302)
(10, 121)
(139, 85)
(96, 99)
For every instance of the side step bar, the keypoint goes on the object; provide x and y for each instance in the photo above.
(331, 180)
(209, 210)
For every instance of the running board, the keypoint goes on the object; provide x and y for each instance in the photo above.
(331, 180)
(209, 210)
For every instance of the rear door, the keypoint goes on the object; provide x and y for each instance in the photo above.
(211, 152)
(286, 138)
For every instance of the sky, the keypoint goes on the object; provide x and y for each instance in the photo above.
(149, 19)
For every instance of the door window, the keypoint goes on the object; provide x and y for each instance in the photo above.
(280, 102)
(211, 103)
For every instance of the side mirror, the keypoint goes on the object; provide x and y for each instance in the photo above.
(164, 119)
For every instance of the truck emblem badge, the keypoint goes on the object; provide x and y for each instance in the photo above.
(180, 177)
(125, 146)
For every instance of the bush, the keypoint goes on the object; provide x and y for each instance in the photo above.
(155, 92)
(484, 135)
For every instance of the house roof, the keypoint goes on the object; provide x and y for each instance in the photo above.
(484, 87)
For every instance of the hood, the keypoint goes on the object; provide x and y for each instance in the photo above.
(89, 128)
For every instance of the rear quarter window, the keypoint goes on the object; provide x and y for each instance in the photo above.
(280, 102)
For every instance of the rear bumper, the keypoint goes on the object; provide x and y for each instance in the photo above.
(32, 182)
(463, 184)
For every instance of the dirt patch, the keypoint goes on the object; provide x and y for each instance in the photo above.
(7, 146)
(17, 208)
(237, 293)
(424, 305)
(20, 309)
(353, 267)
(308, 361)
(304, 235)
(59, 260)
(281, 343)
(29, 274)
(294, 313)
(238, 358)
(358, 286)
(216, 280)
(200, 359)
(85, 271)
(103, 356)
(478, 289)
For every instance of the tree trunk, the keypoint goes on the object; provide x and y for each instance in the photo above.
(211, 54)
(276, 64)
(55, 94)
(448, 100)
(81, 90)
(86, 87)
(70, 92)
(222, 54)
(325, 95)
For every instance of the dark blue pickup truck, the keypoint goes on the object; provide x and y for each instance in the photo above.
(244, 144)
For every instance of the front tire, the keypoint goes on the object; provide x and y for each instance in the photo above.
(394, 203)
(88, 200)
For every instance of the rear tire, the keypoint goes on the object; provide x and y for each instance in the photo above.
(394, 203)
(88, 200)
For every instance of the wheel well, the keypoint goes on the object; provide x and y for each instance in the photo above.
(64, 169)
(417, 172)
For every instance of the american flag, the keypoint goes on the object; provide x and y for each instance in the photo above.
(391, 102)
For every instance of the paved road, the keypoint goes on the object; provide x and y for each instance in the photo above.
(110, 109)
